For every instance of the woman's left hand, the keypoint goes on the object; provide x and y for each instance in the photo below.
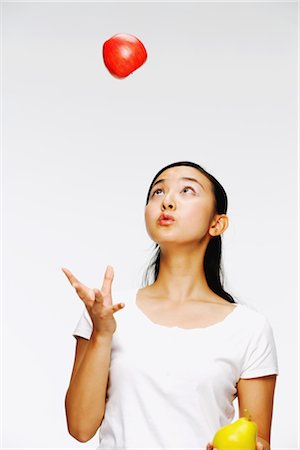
(259, 446)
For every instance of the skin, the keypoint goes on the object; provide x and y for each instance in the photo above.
(181, 277)
(184, 242)
(181, 280)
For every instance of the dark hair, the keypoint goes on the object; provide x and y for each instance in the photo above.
(212, 258)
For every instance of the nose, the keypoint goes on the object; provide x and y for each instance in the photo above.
(168, 204)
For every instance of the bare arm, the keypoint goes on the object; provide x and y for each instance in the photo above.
(86, 395)
(257, 395)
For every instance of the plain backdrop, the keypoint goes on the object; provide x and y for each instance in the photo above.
(80, 149)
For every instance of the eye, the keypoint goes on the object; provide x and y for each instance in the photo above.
(188, 187)
(155, 192)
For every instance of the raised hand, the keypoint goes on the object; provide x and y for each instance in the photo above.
(98, 303)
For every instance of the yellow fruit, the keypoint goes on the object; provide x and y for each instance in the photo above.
(239, 435)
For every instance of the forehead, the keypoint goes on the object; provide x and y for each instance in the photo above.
(174, 173)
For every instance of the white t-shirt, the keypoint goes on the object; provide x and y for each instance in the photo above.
(172, 388)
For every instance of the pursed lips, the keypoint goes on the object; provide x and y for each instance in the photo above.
(166, 218)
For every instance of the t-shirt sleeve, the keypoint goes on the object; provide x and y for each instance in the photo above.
(84, 327)
(261, 355)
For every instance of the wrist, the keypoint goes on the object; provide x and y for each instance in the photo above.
(100, 337)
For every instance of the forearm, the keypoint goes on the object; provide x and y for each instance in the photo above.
(86, 395)
(266, 445)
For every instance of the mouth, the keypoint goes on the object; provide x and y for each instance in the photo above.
(165, 219)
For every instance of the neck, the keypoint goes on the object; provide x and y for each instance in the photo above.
(181, 275)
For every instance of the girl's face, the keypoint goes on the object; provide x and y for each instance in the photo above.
(189, 202)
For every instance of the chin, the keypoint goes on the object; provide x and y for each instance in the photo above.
(172, 241)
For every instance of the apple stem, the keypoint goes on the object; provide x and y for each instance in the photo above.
(247, 413)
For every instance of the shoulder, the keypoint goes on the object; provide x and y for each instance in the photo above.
(253, 323)
(252, 313)
(247, 315)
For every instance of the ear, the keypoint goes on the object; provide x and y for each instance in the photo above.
(219, 225)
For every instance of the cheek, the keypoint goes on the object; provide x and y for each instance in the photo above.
(149, 221)
(148, 214)
(197, 215)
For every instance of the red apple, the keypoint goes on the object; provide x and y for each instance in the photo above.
(123, 54)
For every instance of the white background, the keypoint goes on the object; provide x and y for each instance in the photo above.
(80, 149)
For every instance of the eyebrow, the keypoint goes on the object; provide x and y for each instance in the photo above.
(182, 178)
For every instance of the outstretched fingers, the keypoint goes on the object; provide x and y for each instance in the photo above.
(117, 307)
(70, 276)
(98, 296)
(83, 291)
(99, 299)
(107, 283)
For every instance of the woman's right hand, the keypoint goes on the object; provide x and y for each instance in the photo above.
(98, 303)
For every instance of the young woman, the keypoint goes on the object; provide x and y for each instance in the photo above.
(164, 376)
